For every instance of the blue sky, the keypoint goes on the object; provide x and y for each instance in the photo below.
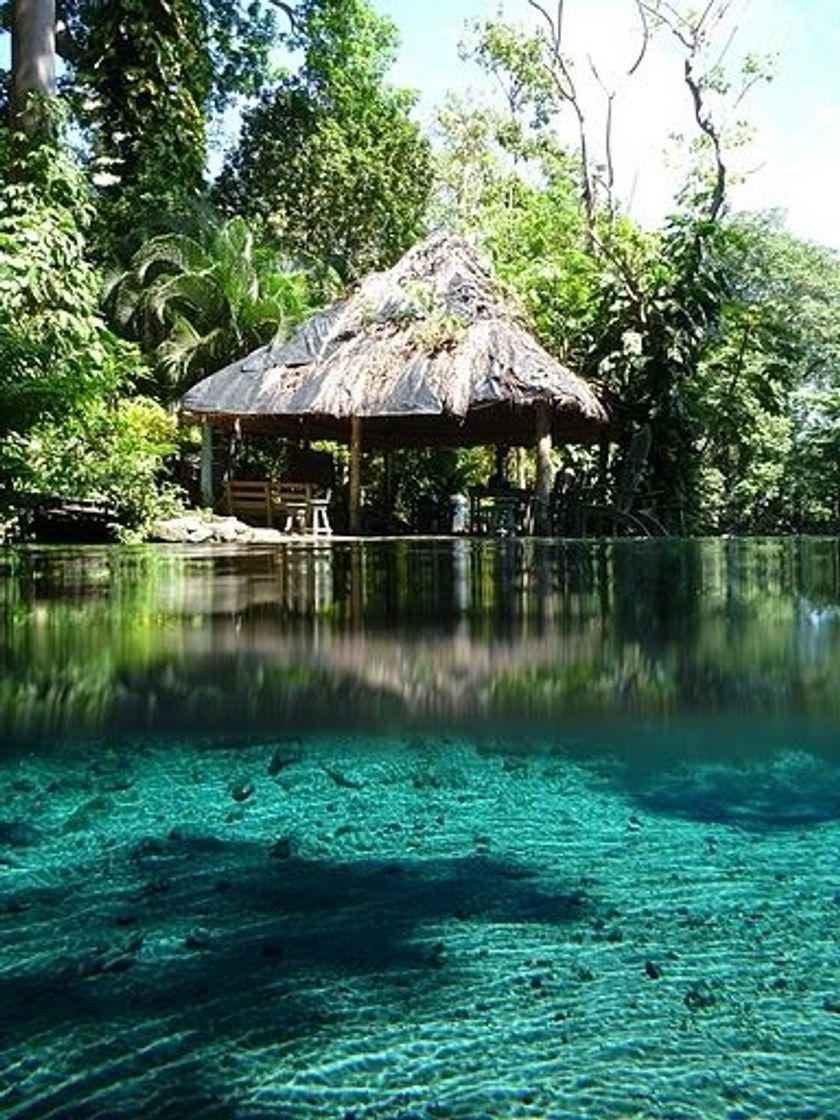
(794, 161)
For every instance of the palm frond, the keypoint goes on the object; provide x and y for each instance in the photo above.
(171, 252)
(213, 296)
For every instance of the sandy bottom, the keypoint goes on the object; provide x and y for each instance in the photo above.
(415, 929)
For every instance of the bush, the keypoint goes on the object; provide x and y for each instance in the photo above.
(116, 454)
(64, 431)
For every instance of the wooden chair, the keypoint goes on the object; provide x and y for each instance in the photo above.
(303, 512)
(249, 501)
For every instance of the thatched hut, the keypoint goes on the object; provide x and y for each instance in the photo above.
(431, 352)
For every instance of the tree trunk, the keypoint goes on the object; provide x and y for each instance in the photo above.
(33, 57)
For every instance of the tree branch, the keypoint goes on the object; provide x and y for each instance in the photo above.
(640, 8)
(563, 82)
(608, 151)
(708, 129)
(288, 11)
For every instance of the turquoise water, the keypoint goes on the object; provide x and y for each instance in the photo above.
(430, 830)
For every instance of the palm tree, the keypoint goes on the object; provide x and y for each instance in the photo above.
(197, 302)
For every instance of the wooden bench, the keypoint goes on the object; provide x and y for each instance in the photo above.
(249, 501)
(290, 505)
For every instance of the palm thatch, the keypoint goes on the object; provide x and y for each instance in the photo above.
(430, 352)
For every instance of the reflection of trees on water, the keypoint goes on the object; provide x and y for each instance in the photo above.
(486, 628)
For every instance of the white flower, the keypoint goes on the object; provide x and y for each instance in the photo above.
(631, 342)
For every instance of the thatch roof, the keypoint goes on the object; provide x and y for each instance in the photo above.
(430, 352)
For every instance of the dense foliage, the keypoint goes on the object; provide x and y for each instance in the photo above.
(714, 339)
(194, 302)
(330, 156)
(148, 78)
(68, 425)
(768, 390)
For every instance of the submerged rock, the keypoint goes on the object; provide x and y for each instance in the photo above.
(282, 848)
(197, 939)
(699, 997)
(286, 754)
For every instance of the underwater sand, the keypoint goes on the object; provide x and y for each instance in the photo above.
(415, 929)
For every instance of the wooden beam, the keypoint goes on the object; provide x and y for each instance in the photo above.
(542, 511)
(354, 512)
(206, 475)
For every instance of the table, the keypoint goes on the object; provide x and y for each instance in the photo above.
(503, 510)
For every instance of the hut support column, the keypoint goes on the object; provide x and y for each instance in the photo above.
(542, 511)
(500, 471)
(388, 470)
(355, 495)
(206, 474)
(603, 470)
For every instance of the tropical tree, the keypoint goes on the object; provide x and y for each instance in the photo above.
(33, 56)
(329, 156)
(637, 312)
(766, 385)
(815, 466)
(55, 351)
(146, 80)
(66, 425)
(196, 302)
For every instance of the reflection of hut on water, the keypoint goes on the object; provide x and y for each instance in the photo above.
(430, 353)
(295, 582)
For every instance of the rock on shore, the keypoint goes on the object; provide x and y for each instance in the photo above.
(198, 528)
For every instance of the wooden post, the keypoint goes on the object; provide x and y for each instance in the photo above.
(501, 458)
(206, 465)
(542, 511)
(388, 471)
(355, 494)
(603, 469)
(519, 467)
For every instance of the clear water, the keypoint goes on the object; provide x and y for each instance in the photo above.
(421, 830)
